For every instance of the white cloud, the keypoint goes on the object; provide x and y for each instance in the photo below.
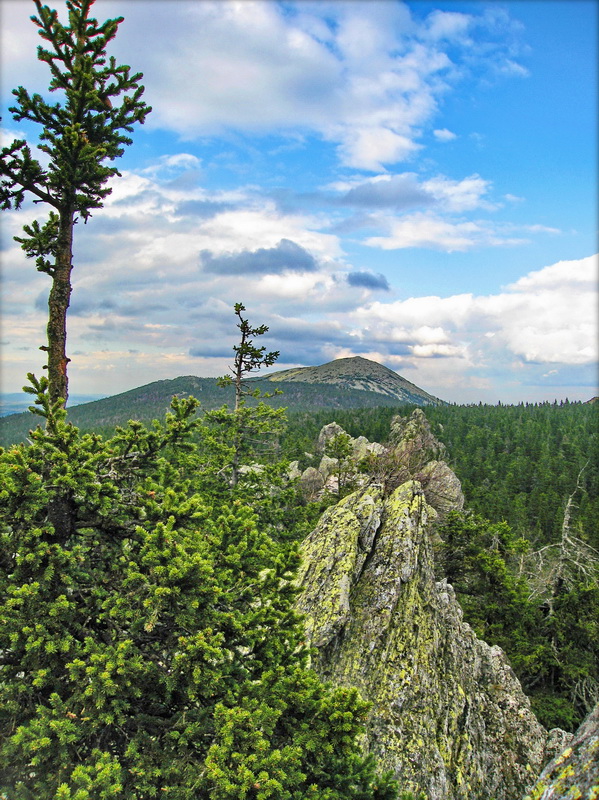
(372, 147)
(447, 25)
(427, 230)
(435, 231)
(541, 229)
(173, 163)
(581, 274)
(547, 317)
(444, 135)
(365, 76)
(459, 196)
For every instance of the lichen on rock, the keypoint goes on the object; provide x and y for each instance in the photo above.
(332, 562)
(574, 773)
(448, 714)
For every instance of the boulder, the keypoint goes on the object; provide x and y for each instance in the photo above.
(293, 471)
(327, 433)
(442, 489)
(311, 483)
(327, 466)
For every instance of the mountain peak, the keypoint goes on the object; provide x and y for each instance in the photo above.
(357, 372)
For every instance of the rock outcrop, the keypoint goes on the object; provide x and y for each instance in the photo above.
(448, 715)
(314, 481)
(574, 774)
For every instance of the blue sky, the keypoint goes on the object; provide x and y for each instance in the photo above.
(413, 182)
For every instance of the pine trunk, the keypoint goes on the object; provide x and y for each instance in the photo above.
(61, 512)
(58, 304)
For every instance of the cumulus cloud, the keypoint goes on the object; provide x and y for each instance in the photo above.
(579, 275)
(286, 256)
(550, 315)
(546, 317)
(364, 76)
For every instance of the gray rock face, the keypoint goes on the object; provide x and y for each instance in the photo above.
(441, 487)
(415, 443)
(448, 714)
(311, 483)
(574, 773)
(327, 433)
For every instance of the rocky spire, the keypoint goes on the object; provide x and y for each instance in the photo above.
(448, 714)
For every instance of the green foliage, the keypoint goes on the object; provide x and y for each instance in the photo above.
(479, 559)
(149, 645)
(551, 638)
(565, 685)
(81, 133)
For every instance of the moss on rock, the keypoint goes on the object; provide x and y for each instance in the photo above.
(448, 714)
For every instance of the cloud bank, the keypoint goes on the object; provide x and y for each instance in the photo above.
(153, 272)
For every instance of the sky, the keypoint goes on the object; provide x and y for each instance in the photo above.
(411, 182)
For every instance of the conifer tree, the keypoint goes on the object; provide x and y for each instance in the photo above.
(248, 357)
(152, 650)
(79, 134)
(245, 423)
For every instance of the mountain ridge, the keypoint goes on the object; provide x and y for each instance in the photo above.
(358, 384)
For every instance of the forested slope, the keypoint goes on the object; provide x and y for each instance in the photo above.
(516, 463)
(523, 557)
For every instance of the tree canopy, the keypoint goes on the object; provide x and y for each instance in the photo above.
(151, 649)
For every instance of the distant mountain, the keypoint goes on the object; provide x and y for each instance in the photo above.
(342, 384)
(16, 402)
(361, 374)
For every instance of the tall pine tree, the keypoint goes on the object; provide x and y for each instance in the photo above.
(79, 134)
